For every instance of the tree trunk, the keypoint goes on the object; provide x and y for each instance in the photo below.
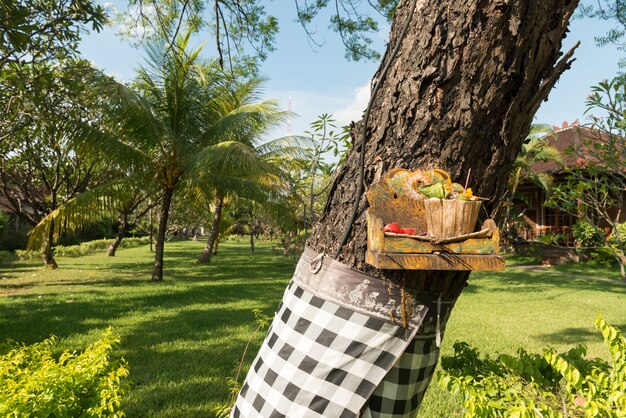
(509, 200)
(121, 233)
(216, 246)
(151, 229)
(46, 251)
(252, 240)
(459, 95)
(157, 273)
(621, 260)
(205, 257)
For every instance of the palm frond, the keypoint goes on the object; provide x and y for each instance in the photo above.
(543, 180)
(85, 209)
(292, 146)
(245, 123)
(231, 158)
(96, 139)
(128, 113)
(539, 130)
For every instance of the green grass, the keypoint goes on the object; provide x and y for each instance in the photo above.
(182, 338)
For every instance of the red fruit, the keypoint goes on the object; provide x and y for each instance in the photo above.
(408, 231)
(392, 227)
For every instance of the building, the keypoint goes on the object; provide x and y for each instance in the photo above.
(530, 198)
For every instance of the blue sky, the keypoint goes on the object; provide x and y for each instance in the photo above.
(323, 81)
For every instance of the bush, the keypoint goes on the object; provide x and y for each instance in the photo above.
(532, 385)
(622, 232)
(85, 248)
(27, 254)
(587, 235)
(35, 384)
(601, 255)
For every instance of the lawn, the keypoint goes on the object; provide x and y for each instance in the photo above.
(182, 338)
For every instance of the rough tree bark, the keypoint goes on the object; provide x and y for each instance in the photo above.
(460, 94)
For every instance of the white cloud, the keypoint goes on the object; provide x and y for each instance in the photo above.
(308, 105)
(354, 110)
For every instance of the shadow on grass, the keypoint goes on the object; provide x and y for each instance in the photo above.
(576, 335)
(514, 280)
(181, 338)
(183, 361)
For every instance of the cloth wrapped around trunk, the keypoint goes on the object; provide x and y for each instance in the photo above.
(344, 344)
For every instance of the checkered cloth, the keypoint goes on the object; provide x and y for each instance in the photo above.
(325, 356)
(400, 393)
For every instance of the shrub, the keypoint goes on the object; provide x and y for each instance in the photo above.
(27, 254)
(587, 235)
(33, 383)
(85, 248)
(553, 239)
(601, 255)
(533, 385)
(622, 232)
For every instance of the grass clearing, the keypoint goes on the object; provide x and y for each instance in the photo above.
(182, 338)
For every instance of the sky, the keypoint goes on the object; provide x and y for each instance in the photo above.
(321, 80)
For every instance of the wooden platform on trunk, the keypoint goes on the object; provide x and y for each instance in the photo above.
(438, 261)
(389, 202)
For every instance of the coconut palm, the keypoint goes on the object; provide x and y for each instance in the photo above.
(168, 130)
(254, 175)
(236, 163)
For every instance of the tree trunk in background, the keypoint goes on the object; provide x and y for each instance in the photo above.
(460, 94)
(46, 251)
(252, 240)
(205, 257)
(157, 273)
(151, 229)
(509, 200)
(216, 246)
(121, 233)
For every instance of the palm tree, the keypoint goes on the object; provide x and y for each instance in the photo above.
(168, 130)
(536, 148)
(249, 169)
(252, 174)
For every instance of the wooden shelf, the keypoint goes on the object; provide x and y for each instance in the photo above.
(388, 201)
(440, 261)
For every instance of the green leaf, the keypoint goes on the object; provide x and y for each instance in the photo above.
(433, 190)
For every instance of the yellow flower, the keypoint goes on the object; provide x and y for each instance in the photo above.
(468, 193)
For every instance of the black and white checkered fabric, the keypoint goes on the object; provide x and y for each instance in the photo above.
(319, 359)
(332, 352)
(400, 393)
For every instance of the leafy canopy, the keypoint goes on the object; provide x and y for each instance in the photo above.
(243, 30)
(34, 31)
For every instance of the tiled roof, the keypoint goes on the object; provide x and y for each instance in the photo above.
(566, 140)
